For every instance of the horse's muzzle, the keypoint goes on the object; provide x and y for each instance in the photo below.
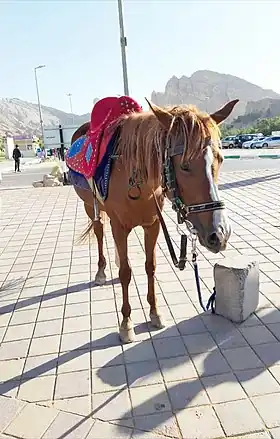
(216, 240)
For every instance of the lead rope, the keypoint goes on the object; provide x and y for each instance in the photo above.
(181, 263)
(183, 255)
(212, 298)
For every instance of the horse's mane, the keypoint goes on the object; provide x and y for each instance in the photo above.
(143, 139)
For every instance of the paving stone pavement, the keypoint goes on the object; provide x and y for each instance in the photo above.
(64, 372)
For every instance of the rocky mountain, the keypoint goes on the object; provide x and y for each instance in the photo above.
(210, 90)
(204, 88)
(265, 108)
(268, 107)
(21, 117)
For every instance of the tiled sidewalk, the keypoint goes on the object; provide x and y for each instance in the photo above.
(63, 370)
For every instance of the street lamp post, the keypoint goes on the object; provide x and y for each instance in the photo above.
(123, 41)
(38, 98)
(71, 108)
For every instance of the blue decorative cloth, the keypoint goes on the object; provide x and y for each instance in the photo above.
(76, 147)
(103, 170)
(89, 152)
(78, 180)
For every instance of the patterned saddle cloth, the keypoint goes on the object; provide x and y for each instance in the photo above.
(87, 153)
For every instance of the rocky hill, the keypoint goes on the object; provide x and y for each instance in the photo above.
(21, 117)
(210, 90)
(265, 108)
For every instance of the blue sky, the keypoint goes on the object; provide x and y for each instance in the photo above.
(79, 43)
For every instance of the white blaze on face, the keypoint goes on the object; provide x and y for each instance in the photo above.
(219, 216)
(209, 159)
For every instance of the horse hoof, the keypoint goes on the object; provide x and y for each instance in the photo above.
(157, 321)
(100, 279)
(127, 334)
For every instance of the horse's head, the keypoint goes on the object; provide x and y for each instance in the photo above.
(193, 147)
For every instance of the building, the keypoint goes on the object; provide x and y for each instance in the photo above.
(27, 144)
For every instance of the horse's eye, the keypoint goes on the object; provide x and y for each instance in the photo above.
(185, 167)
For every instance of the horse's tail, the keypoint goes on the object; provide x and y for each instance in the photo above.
(89, 229)
(86, 233)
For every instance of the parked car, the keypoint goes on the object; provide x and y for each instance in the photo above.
(249, 144)
(242, 138)
(267, 142)
(228, 142)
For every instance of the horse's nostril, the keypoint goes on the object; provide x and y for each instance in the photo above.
(213, 239)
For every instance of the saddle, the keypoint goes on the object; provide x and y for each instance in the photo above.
(89, 152)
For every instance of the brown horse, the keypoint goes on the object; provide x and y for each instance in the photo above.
(173, 152)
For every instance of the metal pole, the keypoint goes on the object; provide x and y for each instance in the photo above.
(71, 108)
(62, 155)
(38, 98)
(123, 41)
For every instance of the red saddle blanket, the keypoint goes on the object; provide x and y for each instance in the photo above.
(86, 153)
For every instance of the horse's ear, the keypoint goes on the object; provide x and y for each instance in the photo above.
(224, 112)
(163, 116)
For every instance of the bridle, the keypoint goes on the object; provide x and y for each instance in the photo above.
(171, 187)
(171, 190)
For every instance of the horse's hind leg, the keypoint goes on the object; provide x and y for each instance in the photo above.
(100, 277)
(120, 235)
(151, 235)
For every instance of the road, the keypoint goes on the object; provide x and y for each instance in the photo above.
(250, 165)
(35, 171)
(251, 152)
(28, 174)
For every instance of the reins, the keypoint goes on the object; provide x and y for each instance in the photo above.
(181, 263)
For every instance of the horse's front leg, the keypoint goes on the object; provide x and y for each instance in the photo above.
(120, 235)
(151, 235)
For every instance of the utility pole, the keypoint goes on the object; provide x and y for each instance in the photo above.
(71, 108)
(123, 42)
(38, 99)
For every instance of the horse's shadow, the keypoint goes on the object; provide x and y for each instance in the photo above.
(212, 367)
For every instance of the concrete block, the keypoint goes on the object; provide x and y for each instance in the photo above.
(237, 288)
(57, 172)
(38, 184)
(51, 181)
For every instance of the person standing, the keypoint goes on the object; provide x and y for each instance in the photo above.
(16, 157)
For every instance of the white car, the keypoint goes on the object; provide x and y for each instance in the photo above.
(267, 142)
(249, 144)
(228, 142)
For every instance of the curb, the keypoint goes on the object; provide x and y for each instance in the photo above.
(253, 157)
(14, 188)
